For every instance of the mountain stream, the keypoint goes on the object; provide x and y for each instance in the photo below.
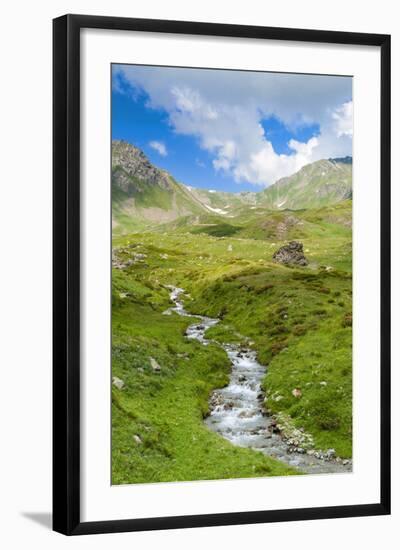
(237, 412)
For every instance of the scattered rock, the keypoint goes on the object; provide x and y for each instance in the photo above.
(137, 439)
(154, 365)
(291, 254)
(294, 437)
(323, 383)
(296, 392)
(118, 383)
(139, 257)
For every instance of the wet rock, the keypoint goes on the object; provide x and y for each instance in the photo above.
(274, 427)
(291, 254)
(246, 414)
(216, 400)
(118, 383)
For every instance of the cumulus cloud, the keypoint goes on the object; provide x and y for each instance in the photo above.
(226, 112)
(343, 119)
(160, 147)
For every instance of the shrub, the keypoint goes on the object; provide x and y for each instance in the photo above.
(299, 330)
(325, 415)
(347, 320)
(324, 290)
(277, 347)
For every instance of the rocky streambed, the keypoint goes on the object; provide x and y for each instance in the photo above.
(237, 412)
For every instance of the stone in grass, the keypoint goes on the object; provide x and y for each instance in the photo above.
(291, 254)
(154, 365)
(296, 392)
(118, 383)
(137, 439)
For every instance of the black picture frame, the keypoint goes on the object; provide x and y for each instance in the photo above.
(66, 273)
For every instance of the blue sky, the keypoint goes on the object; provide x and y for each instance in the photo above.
(231, 130)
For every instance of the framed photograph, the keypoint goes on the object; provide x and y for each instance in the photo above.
(221, 274)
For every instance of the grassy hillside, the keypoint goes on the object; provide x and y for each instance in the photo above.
(157, 417)
(318, 184)
(219, 247)
(297, 319)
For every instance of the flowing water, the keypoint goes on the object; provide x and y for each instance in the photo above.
(237, 412)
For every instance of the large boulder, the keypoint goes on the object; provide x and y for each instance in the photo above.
(291, 254)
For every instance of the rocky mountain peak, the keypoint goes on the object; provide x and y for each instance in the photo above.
(130, 165)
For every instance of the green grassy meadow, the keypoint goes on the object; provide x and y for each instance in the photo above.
(299, 320)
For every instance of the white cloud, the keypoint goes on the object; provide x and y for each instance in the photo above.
(266, 165)
(223, 110)
(343, 119)
(160, 147)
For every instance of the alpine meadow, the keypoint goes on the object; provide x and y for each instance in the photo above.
(231, 275)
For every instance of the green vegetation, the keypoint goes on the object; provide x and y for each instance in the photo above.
(297, 319)
(320, 183)
(219, 248)
(300, 324)
(157, 417)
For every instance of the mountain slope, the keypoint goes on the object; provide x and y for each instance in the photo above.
(223, 203)
(144, 195)
(317, 184)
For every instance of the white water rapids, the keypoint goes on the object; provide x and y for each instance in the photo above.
(237, 412)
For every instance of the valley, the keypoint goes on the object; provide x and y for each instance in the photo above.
(297, 320)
